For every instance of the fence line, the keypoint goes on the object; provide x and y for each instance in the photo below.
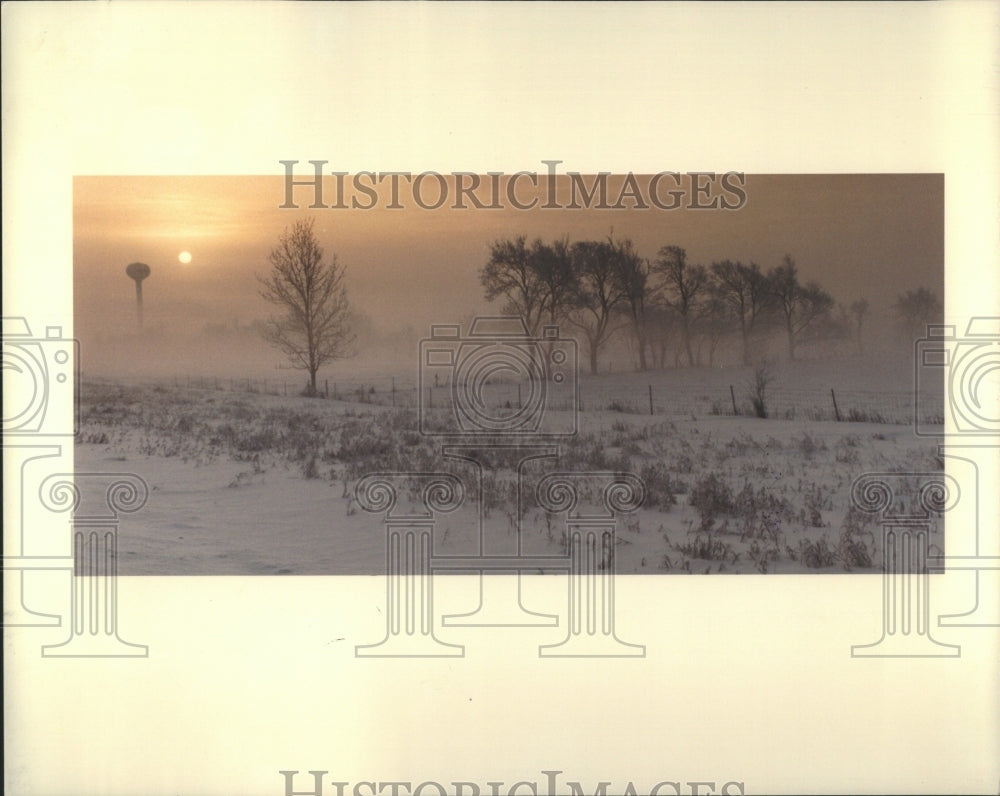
(826, 404)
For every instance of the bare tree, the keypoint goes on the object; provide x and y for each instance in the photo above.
(509, 273)
(713, 322)
(798, 305)
(661, 325)
(596, 295)
(313, 327)
(858, 311)
(744, 289)
(537, 281)
(553, 267)
(915, 309)
(633, 278)
(832, 328)
(682, 285)
(763, 375)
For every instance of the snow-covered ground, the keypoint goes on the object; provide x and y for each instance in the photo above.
(249, 484)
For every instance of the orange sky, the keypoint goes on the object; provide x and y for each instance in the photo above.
(871, 235)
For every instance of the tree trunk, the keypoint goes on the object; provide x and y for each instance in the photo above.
(593, 357)
(640, 339)
(687, 342)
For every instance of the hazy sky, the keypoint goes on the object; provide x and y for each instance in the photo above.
(858, 235)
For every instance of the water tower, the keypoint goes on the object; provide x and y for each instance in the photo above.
(138, 272)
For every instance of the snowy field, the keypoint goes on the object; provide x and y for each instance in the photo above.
(255, 484)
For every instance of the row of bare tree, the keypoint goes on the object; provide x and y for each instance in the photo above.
(669, 303)
(599, 287)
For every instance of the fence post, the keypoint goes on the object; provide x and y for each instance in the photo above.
(326, 387)
(650, 398)
(836, 411)
(430, 396)
(393, 390)
(285, 383)
(732, 394)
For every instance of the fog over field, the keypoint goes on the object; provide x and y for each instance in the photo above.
(746, 453)
(858, 236)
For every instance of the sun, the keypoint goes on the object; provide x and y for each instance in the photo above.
(184, 257)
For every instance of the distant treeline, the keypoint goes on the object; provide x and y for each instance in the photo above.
(670, 307)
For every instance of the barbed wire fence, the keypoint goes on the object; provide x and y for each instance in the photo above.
(827, 404)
